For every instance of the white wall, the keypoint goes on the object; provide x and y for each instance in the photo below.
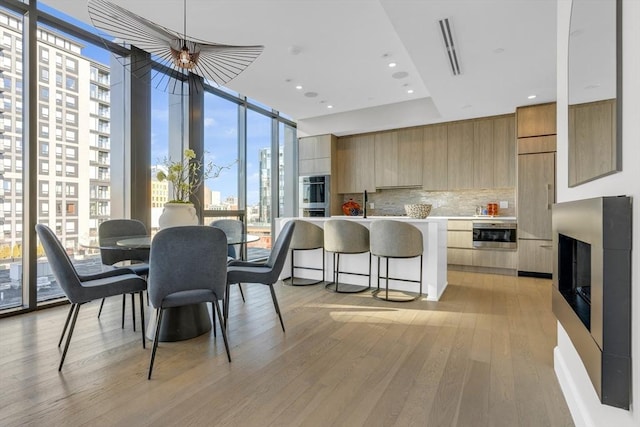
(581, 397)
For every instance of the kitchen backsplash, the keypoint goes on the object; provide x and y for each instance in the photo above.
(444, 203)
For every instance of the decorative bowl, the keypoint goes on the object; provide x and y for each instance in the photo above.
(351, 208)
(418, 210)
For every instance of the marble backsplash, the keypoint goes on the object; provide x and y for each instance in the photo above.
(444, 203)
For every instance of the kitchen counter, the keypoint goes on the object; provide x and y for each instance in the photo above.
(462, 217)
(434, 260)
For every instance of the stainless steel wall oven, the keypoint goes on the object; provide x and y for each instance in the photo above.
(314, 196)
(495, 235)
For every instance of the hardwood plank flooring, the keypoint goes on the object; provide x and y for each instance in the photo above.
(481, 356)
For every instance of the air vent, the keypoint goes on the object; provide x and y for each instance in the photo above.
(447, 36)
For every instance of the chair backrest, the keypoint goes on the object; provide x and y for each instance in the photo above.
(395, 239)
(345, 236)
(231, 227)
(280, 249)
(114, 228)
(187, 258)
(307, 235)
(60, 263)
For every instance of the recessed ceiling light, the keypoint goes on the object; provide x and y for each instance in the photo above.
(311, 94)
(410, 91)
(531, 96)
(329, 106)
(498, 50)
(400, 75)
(466, 106)
(298, 87)
(392, 64)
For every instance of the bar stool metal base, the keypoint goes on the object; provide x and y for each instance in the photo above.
(385, 295)
(296, 281)
(346, 288)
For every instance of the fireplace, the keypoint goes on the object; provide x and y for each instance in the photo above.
(592, 289)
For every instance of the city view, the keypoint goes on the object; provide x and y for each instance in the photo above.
(74, 154)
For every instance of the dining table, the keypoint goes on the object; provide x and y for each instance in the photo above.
(178, 323)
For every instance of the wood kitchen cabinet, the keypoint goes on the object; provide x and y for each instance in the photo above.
(355, 168)
(592, 140)
(535, 256)
(504, 152)
(483, 153)
(315, 153)
(460, 155)
(536, 120)
(398, 158)
(434, 164)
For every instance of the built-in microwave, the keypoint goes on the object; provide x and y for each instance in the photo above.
(314, 195)
(495, 235)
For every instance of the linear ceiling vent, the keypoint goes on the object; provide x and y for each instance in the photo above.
(447, 36)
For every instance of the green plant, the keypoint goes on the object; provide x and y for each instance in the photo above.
(187, 175)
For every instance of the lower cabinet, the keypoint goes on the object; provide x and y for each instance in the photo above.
(535, 256)
(460, 249)
(496, 259)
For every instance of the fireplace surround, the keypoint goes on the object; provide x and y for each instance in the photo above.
(591, 294)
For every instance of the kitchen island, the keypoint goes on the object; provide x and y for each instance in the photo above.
(434, 260)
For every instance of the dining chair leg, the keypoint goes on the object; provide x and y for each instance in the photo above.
(155, 340)
(101, 305)
(275, 304)
(226, 305)
(133, 311)
(216, 310)
(66, 324)
(213, 319)
(241, 293)
(71, 327)
(124, 304)
(144, 342)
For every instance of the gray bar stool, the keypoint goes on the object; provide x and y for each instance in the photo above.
(343, 236)
(306, 236)
(395, 239)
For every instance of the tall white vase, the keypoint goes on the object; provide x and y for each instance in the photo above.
(178, 214)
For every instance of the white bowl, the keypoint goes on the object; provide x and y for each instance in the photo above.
(418, 210)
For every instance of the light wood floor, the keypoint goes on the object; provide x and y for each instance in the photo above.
(482, 356)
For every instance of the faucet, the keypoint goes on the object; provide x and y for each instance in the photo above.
(365, 199)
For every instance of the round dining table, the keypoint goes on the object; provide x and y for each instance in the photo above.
(178, 323)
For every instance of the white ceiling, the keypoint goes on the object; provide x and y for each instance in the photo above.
(340, 49)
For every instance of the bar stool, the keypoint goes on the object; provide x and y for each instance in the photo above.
(306, 236)
(343, 236)
(395, 239)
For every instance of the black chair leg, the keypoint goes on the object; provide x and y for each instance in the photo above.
(124, 304)
(133, 311)
(144, 345)
(226, 305)
(216, 310)
(275, 304)
(101, 305)
(66, 324)
(241, 293)
(71, 327)
(155, 340)
(213, 319)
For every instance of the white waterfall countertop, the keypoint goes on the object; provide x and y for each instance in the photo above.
(434, 259)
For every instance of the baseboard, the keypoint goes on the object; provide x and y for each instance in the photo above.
(485, 270)
(534, 274)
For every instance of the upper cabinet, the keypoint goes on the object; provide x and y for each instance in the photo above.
(536, 120)
(504, 152)
(592, 141)
(434, 164)
(460, 155)
(483, 153)
(355, 164)
(315, 153)
(398, 158)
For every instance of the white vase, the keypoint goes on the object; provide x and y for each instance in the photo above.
(177, 214)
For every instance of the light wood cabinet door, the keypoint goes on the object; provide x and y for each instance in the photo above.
(495, 259)
(504, 152)
(355, 156)
(314, 155)
(536, 120)
(460, 155)
(535, 256)
(386, 159)
(536, 194)
(434, 165)
(459, 256)
(410, 148)
(483, 154)
(592, 141)
(460, 239)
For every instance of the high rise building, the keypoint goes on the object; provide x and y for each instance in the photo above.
(264, 203)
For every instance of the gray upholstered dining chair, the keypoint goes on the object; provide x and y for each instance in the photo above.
(343, 236)
(187, 265)
(266, 273)
(395, 239)
(232, 227)
(306, 237)
(108, 232)
(81, 289)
